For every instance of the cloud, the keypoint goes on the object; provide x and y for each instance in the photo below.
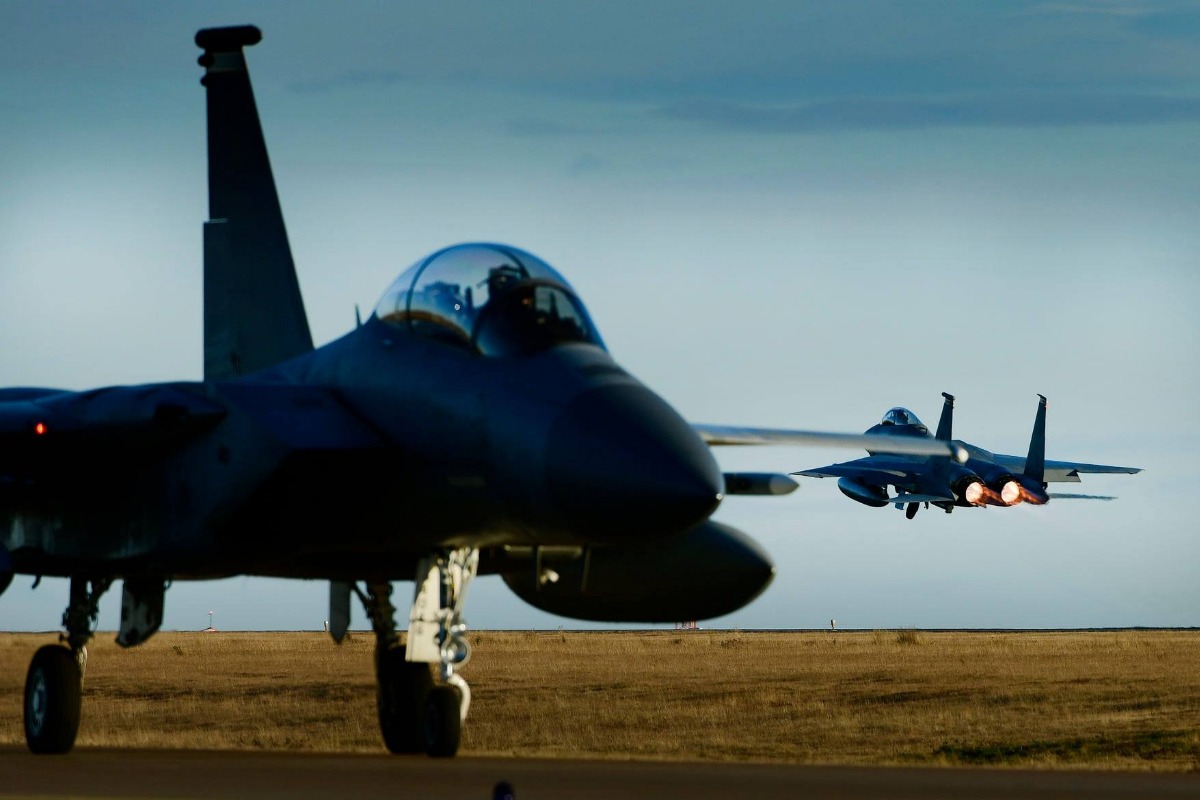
(1007, 111)
(542, 127)
(534, 127)
(354, 79)
(1104, 7)
(588, 164)
(1181, 24)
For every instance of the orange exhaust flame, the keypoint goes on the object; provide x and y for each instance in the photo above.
(1010, 493)
(987, 497)
(1031, 498)
(976, 494)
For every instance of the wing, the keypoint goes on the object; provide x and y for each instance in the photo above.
(869, 469)
(1065, 471)
(45, 430)
(908, 476)
(901, 445)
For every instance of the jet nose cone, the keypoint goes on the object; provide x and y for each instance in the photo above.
(620, 463)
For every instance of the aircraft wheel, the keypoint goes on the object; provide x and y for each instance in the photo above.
(443, 722)
(401, 691)
(53, 697)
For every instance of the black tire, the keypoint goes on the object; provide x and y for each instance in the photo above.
(443, 722)
(53, 697)
(401, 690)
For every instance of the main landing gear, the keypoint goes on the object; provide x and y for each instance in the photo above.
(422, 701)
(54, 683)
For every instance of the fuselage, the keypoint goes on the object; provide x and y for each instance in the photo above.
(360, 456)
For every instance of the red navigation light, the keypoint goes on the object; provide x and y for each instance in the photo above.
(39, 428)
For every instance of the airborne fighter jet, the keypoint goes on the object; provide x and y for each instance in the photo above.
(474, 424)
(983, 479)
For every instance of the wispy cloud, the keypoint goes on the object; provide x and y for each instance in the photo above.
(1115, 8)
(535, 127)
(1020, 111)
(624, 124)
(354, 79)
(588, 164)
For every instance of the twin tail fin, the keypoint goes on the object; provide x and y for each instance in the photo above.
(253, 313)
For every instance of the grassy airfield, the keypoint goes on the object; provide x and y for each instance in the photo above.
(1114, 700)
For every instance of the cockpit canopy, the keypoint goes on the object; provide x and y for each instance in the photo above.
(495, 299)
(900, 416)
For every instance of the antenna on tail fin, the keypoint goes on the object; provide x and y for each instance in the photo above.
(947, 421)
(1035, 462)
(253, 312)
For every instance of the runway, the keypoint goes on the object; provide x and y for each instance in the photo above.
(96, 773)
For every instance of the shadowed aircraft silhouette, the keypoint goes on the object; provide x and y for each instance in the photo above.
(475, 423)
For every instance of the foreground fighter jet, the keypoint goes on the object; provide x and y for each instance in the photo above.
(474, 424)
(983, 479)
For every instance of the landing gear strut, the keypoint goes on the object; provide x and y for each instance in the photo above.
(402, 687)
(416, 711)
(54, 683)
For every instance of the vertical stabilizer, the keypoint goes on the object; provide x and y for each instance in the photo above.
(1035, 462)
(253, 312)
(946, 423)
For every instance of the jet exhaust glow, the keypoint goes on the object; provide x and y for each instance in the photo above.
(1010, 493)
(1036, 499)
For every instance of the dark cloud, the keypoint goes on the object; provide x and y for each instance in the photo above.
(1009, 111)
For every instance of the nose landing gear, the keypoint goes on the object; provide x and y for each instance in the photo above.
(418, 711)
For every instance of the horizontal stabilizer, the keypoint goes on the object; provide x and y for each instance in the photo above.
(1065, 471)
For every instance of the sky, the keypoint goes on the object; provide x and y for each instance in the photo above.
(784, 214)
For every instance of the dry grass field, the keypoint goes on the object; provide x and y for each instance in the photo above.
(1120, 700)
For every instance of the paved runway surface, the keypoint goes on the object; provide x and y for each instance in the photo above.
(295, 776)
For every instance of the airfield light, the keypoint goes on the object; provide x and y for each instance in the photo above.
(1010, 493)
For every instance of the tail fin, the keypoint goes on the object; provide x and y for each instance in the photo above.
(946, 423)
(1035, 462)
(253, 312)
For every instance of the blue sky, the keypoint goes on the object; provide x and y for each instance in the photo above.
(794, 215)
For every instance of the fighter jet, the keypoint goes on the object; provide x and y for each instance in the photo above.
(474, 424)
(983, 479)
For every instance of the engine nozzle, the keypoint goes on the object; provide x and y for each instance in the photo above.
(970, 491)
(1010, 493)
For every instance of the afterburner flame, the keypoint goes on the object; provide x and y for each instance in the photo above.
(1010, 493)
(974, 493)
(1033, 499)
